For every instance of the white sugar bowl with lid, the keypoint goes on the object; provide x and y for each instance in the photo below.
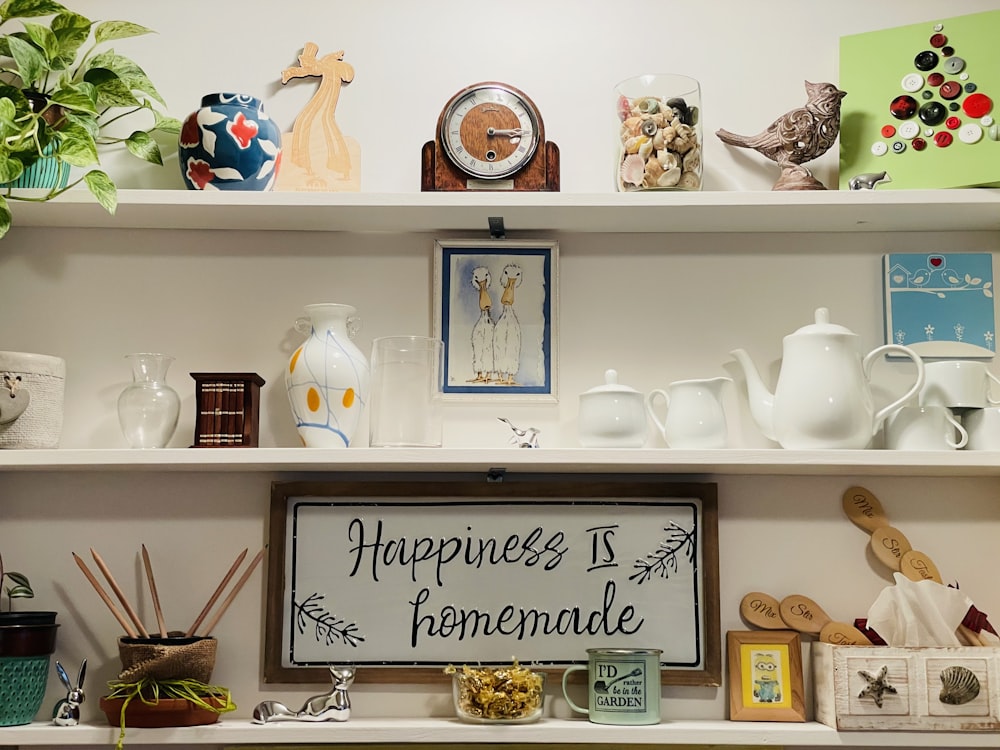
(612, 415)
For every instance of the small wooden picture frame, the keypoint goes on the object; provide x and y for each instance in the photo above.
(765, 675)
(228, 405)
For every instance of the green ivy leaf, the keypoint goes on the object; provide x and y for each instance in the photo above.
(108, 31)
(71, 30)
(102, 188)
(142, 144)
(30, 62)
(10, 170)
(20, 592)
(29, 8)
(43, 38)
(5, 217)
(79, 96)
(76, 145)
(111, 90)
(166, 124)
(129, 71)
(19, 578)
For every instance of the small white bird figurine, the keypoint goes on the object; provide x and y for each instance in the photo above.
(522, 438)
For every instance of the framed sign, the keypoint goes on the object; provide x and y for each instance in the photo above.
(765, 676)
(403, 577)
(495, 308)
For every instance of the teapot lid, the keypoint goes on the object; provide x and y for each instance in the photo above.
(611, 385)
(823, 324)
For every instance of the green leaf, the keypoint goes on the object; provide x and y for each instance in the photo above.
(130, 72)
(5, 217)
(19, 578)
(166, 124)
(81, 97)
(20, 592)
(29, 8)
(76, 145)
(43, 38)
(111, 90)
(71, 31)
(108, 31)
(31, 63)
(101, 186)
(142, 144)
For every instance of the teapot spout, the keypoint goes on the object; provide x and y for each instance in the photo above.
(760, 398)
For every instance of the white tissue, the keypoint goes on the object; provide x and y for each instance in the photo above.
(918, 613)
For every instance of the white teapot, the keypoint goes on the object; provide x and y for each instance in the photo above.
(612, 415)
(823, 398)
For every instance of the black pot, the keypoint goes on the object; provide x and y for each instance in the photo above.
(27, 633)
(27, 618)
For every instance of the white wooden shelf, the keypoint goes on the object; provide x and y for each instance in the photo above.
(671, 212)
(481, 460)
(439, 731)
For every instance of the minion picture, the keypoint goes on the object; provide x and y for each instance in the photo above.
(765, 675)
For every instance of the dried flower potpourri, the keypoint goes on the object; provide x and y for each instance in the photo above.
(512, 693)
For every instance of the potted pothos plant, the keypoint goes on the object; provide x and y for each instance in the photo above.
(61, 86)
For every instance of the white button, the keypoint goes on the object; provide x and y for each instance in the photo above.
(994, 132)
(970, 133)
(908, 130)
(964, 76)
(986, 120)
(928, 132)
(879, 148)
(912, 82)
(939, 27)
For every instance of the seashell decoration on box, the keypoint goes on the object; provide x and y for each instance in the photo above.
(659, 133)
(892, 688)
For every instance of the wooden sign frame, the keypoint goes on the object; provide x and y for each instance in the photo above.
(611, 534)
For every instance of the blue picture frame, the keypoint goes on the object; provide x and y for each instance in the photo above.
(495, 309)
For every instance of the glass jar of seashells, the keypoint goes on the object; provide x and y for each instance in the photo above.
(659, 133)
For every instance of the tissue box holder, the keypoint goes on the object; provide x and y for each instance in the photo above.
(936, 689)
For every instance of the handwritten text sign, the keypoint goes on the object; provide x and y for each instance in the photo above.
(429, 574)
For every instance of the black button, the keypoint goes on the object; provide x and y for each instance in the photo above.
(926, 60)
(970, 87)
(932, 113)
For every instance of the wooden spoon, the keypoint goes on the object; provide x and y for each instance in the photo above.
(889, 545)
(842, 634)
(864, 509)
(917, 566)
(761, 610)
(803, 614)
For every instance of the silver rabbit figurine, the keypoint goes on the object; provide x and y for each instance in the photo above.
(332, 706)
(67, 711)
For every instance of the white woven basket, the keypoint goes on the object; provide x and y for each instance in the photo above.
(44, 378)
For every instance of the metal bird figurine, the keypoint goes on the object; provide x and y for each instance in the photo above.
(800, 135)
(868, 180)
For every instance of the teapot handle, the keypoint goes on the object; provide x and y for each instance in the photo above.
(914, 389)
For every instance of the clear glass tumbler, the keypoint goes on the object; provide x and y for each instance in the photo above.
(406, 409)
(659, 133)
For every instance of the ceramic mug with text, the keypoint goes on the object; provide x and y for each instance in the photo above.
(957, 384)
(623, 685)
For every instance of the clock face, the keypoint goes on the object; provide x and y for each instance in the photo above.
(490, 131)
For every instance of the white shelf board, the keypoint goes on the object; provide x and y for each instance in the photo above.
(441, 730)
(752, 211)
(481, 460)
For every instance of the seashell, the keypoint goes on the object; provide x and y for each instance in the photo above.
(685, 139)
(659, 119)
(649, 127)
(689, 181)
(668, 160)
(959, 685)
(645, 149)
(659, 142)
(632, 170)
(632, 144)
(624, 107)
(632, 124)
(669, 178)
(653, 171)
(692, 160)
(648, 105)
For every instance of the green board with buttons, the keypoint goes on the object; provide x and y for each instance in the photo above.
(921, 105)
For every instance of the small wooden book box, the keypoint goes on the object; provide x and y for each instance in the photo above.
(228, 409)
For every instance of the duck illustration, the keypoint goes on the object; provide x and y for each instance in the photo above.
(507, 332)
(482, 331)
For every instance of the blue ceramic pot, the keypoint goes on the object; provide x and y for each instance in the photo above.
(229, 144)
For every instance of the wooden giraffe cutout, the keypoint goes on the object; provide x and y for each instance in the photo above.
(316, 155)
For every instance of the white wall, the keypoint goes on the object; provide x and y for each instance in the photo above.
(227, 300)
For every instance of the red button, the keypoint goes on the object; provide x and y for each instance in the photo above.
(888, 131)
(939, 40)
(950, 90)
(935, 79)
(977, 105)
(952, 123)
(919, 144)
(942, 139)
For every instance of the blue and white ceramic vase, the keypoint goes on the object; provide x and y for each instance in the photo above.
(328, 378)
(229, 144)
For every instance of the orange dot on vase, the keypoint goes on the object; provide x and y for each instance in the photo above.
(348, 398)
(313, 399)
(295, 358)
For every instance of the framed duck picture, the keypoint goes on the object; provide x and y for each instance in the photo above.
(495, 309)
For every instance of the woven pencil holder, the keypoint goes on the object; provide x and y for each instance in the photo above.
(167, 658)
(44, 379)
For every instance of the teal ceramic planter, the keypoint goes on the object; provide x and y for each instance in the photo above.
(22, 688)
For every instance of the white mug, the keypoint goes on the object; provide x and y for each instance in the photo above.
(924, 428)
(957, 384)
(694, 418)
(983, 426)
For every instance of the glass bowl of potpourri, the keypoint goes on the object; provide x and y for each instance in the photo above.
(497, 695)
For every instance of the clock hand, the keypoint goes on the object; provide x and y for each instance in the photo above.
(511, 132)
